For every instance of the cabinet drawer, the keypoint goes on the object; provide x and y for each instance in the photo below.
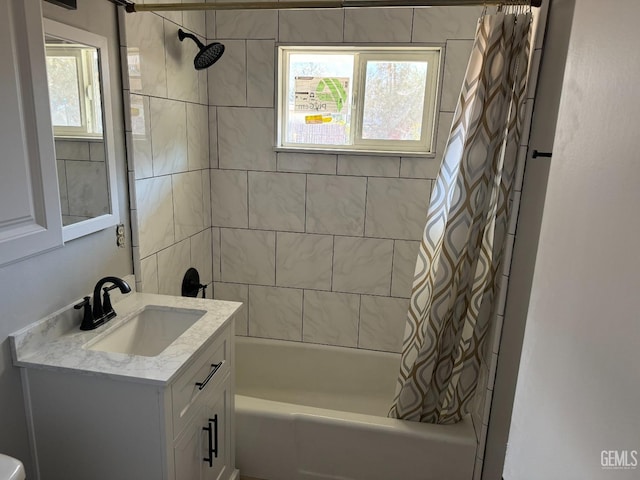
(200, 379)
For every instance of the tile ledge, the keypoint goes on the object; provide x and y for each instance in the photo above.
(335, 151)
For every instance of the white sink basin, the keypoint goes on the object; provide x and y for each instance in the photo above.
(147, 333)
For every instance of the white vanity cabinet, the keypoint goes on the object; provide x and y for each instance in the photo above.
(104, 428)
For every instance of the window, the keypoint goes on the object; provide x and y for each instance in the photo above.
(357, 98)
(74, 90)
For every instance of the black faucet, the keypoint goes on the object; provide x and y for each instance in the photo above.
(102, 311)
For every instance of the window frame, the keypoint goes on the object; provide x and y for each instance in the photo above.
(363, 54)
(85, 71)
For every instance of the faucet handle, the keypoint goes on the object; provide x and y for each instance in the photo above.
(107, 308)
(87, 319)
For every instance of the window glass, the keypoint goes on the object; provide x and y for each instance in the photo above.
(394, 100)
(319, 99)
(357, 98)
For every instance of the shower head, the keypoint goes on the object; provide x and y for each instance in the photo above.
(208, 54)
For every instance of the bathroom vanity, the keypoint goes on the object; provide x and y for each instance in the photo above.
(149, 395)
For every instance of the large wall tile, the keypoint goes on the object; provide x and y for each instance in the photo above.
(187, 204)
(201, 258)
(87, 191)
(206, 197)
(307, 162)
(275, 312)
(194, 20)
(140, 147)
(210, 23)
(149, 274)
(438, 24)
(428, 167)
(248, 256)
(203, 87)
(182, 77)
(331, 318)
(229, 198)
(260, 73)
(276, 201)
(96, 151)
(154, 198)
(245, 138)
(71, 150)
(362, 265)
(368, 166)
(405, 255)
(305, 26)
(304, 260)
(397, 207)
(235, 292)
(261, 24)
(197, 136)
(168, 136)
(455, 67)
(382, 323)
(145, 53)
(216, 253)
(173, 263)
(378, 25)
(175, 17)
(62, 186)
(336, 204)
(213, 137)
(227, 79)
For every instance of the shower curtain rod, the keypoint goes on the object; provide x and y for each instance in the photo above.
(307, 4)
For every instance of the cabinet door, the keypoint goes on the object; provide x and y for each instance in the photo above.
(189, 448)
(202, 450)
(217, 414)
(30, 220)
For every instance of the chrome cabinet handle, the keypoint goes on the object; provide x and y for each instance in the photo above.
(213, 440)
(216, 367)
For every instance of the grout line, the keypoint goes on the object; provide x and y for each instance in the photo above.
(393, 256)
(413, 16)
(333, 254)
(359, 319)
(275, 259)
(306, 189)
(246, 72)
(248, 206)
(342, 235)
(302, 319)
(220, 254)
(366, 193)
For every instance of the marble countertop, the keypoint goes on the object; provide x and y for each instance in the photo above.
(56, 342)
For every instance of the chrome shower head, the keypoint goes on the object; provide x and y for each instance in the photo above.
(208, 54)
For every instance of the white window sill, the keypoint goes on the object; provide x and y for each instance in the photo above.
(369, 153)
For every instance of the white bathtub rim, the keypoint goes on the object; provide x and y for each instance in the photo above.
(313, 345)
(461, 433)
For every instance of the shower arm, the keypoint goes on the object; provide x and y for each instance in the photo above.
(131, 7)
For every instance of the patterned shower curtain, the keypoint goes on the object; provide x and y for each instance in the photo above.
(460, 255)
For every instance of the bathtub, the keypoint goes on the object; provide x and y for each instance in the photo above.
(307, 411)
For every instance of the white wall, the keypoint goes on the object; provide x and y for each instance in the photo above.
(33, 288)
(579, 384)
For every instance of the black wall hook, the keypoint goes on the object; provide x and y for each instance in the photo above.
(537, 154)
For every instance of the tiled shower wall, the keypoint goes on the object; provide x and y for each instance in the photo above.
(168, 150)
(320, 247)
(82, 179)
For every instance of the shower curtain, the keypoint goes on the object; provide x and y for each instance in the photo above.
(456, 275)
